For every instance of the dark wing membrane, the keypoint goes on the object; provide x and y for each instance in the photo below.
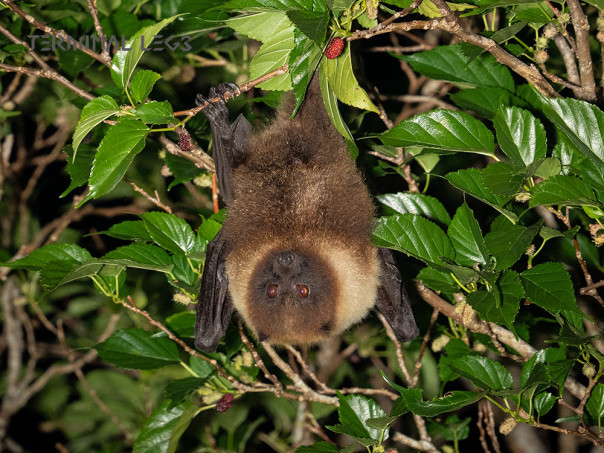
(393, 301)
(229, 141)
(214, 307)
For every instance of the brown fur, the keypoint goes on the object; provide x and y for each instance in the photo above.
(298, 189)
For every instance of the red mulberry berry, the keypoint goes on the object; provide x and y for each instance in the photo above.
(183, 141)
(225, 402)
(334, 48)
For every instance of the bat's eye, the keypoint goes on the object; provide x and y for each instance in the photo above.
(303, 291)
(272, 291)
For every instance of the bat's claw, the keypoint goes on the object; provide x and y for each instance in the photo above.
(226, 87)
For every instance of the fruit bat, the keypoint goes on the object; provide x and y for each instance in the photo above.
(294, 257)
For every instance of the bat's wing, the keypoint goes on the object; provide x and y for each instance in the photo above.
(214, 307)
(392, 299)
(229, 141)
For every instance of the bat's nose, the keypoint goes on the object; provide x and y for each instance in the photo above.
(285, 259)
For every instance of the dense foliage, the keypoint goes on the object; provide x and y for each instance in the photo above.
(478, 128)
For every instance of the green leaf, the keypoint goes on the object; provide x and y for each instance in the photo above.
(353, 412)
(416, 237)
(118, 148)
(303, 61)
(544, 402)
(148, 255)
(124, 61)
(331, 105)
(312, 23)
(129, 230)
(503, 309)
(470, 181)
(170, 232)
(520, 135)
(450, 64)
(484, 373)
(163, 429)
(416, 203)
(182, 269)
(318, 447)
(571, 116)
(78, 168)
(442, 130)
(437, 280)
(341, 78)
(41, 257)
(177, 390)
(142, 84)
(262, 5)
(93, 113)
(484, 100)
(501, 179)
(156, 113)
(595, 403)
(534, 371)
(509, 243)
(450, 402)
(563, 189)
(182, 169)
(138, 349)
(276, 32)
(182, 324)
(466, 237)
(548, 285)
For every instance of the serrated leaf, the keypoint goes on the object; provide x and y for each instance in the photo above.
(562, 189)
(548, 285)
(484, 100)
(170, 232)
(146, 254)
(442, 130)
(129, 230)
(520, 135)
(416, 237)
(318, 447)
(162, 431)
(504, 310)
(437, 280)
(450, 64)
(93, 113)
(118, 148)
(544, 402)
(182, 169)
(312, 23)
(450, 402)
(262, 5)
(142, 83)
(429, 9)
(40, 258)
(571, 116)
(78, 169)
(466, 237)
(501, 179)
(303, 61)
(274, 52)
(595, 403)
(182, 324)
(342, 80)
(416, 203)
(331, 106)
(470, 181)
(155, 112)
(508, 244)
(124, 61)
(177, 390)
(484, 373)
(138, 349)
(353, 412)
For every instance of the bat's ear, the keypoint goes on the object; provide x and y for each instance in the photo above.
(214, 307)
(392, 300)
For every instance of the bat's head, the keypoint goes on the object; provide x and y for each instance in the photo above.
(292, 298)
